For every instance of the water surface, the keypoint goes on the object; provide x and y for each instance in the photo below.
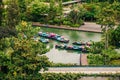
(68, 56)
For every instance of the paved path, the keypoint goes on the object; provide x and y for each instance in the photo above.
(84, 59)
(86, 70)
(71, 2)
(89, 27)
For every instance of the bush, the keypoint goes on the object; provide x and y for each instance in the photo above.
(66, 22)
(6, 32)
(63, 65)
(36, 11)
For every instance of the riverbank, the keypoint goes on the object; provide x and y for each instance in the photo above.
(87, 27)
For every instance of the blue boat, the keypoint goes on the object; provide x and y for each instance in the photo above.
(43, 40)
(53, 36)
(67, 47)
(82, 43)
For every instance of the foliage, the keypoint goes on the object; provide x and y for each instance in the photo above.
(22, 56)
(107, 57)
(66, 0)
(22, 9)
(12, 14)
(60, 76)
(115, 37)
(62, 65)
(107, 22)
(53, 10)
(95, 59)
(75, 16)
(37, 11)
(26, 30)
(74, 76)
(96, 47)
(95, 1)
(7, 32)
(92, 11)
(1, 10)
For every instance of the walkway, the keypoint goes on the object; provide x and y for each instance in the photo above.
(88, 27)
(72, 2)
(91, 27)
(86, 70)
(84, 59)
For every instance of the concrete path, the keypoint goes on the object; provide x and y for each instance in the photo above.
(84, 59)
(86, 70)
(88, 27)
(91, 26)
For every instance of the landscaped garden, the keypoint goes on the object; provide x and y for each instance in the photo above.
(23, 47)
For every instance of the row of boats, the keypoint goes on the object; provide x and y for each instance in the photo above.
(58, 38)
(74, 47)
(80, 46)
(53, 36)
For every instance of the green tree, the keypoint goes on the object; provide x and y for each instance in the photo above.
(96, 47)
(22, 9)
(1, 10)
(75, 16)
(22, 56)
(107, 22)
(52, 10)
(114, 37)
(12, 14)
(37, 11)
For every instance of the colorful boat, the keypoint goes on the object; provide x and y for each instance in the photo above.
(82, 43)
(67, 47)
(53, 36)
(43, 40)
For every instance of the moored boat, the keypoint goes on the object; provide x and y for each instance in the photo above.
(43, 40)
(68, 47)
(53, 36)
(82, 43)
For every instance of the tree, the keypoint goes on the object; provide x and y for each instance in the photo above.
(1, 10)
(96, 47)
(75, 16)
(12, 14)
(115, 37)
(37, 11)
(22, 9)
(53, 10)
(107, 22)
(22, 56)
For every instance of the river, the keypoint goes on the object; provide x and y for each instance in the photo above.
(68, 56)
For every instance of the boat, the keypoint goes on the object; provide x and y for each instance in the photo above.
(79, 43)
(53, 36)
(69, 47)
(82, 43)
(43, 40)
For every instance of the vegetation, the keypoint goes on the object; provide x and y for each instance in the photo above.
(63, 65)
(1, 10)
(72, 76)
(21, 57)
(104, 51)
(114, 37)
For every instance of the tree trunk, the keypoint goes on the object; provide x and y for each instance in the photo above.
(106, 37)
